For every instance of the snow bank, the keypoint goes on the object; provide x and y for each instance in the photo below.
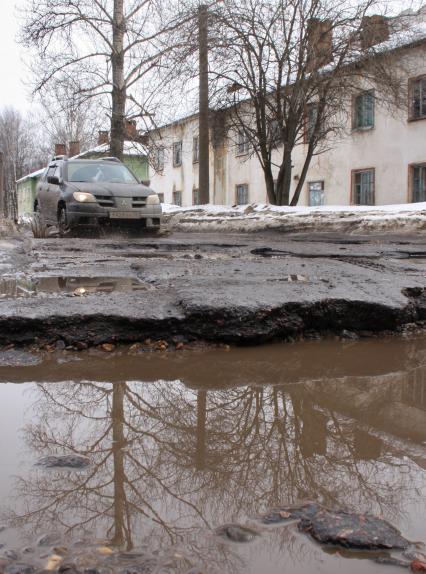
(408, 217)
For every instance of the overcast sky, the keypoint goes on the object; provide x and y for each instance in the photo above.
(12, 70)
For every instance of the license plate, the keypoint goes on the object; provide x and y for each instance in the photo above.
(124, 215)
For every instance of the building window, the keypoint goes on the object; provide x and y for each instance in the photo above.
(418, 98)
(161, 197)
(243, 144)
(177, 154)
(310, 121)
(195, 149)
(418, 183)
(363, 187)
(316, 193)
(195, 197)
(242, 194)
(363, 111)
(275, 133)
(159, 159)
(177, 198)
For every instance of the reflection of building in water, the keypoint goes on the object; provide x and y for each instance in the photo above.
(414, 389)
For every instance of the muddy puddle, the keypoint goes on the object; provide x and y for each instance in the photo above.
(14, 288)
(166, 448)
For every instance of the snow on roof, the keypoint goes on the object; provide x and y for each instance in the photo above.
(37, 173)
(129, 148)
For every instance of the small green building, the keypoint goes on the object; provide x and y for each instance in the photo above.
(26, 191)
(135, 156)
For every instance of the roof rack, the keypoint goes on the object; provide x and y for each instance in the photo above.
(111, 159)
(59, 157)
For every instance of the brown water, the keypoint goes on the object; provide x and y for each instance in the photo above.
(184, 442)
(31, 287)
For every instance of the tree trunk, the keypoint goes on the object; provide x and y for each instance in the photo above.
(270, 187)
(118, 111)
(203, 128)
(284, 179)
(302, 178)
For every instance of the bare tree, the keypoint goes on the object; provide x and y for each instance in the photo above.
(107, 48)
(18, 142)
(65, 118)
(284, 71)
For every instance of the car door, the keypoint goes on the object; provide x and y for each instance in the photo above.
(43, 192)
(53, 194)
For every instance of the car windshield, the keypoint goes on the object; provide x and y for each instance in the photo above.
(99, 172)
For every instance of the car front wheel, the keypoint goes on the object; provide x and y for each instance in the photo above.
(38, 226)
(63, 226)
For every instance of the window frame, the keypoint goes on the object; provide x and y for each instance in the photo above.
(241, 185)
(195, 149)
(412, 167)
(177, 146)
(160, 155)
(355, 98)
(196, 194)
(354, 173)
(179, 204)
(316, 181)
(307, 129)
(411, 86)
(243, 143)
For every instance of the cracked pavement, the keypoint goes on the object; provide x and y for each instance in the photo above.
(237, 288)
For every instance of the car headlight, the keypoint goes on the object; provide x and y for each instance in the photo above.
(83, 197)
(152, 199)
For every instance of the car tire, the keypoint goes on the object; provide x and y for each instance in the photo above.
(38, 226)
(63, 227)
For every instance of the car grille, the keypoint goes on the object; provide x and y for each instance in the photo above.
(105, 200)
(138, 202)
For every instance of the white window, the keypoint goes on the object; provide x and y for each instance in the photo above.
(316, 193)
(177, 154)
(363, 183)
(243, 144)
(242, 194)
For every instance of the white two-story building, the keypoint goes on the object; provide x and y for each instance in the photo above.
(378, 158)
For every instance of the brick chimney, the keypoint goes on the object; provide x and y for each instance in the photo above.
(74, 148)
(60, 149)
(130, 130)
(103, 137)
(319, 43)
(374, 30)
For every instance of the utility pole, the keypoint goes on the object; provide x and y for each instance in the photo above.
(203, 117)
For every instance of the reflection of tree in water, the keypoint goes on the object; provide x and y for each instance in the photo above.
(169, 462)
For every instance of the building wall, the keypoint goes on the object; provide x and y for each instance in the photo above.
(391, 147)
(26, 194)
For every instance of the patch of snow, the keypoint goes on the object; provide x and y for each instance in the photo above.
(258, 217)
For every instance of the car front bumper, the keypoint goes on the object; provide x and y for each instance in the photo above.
(87, 214)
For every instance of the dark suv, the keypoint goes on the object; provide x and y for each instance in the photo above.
(79, 193)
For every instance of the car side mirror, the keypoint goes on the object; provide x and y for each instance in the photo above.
(53, 180)
(146, 182)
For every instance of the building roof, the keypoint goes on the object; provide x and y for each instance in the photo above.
(130, 148)
(37, 173)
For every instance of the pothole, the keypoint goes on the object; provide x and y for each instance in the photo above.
(14, 288)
